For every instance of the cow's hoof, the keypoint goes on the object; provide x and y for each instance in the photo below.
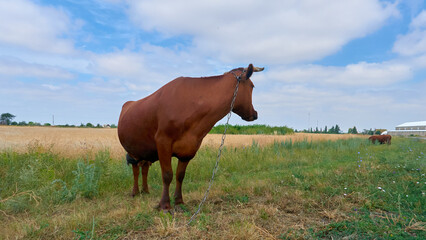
(133, 194)
(164, 209)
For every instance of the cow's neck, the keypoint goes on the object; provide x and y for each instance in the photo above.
(221, 104)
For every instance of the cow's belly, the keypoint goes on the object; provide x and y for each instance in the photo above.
(186, 147)
(140, 147)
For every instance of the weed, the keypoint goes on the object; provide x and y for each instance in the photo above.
(85, 183)
(90, 234)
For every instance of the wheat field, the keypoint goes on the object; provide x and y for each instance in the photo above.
(76, 142)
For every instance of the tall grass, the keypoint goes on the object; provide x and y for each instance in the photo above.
(288, 190)
(252, 129)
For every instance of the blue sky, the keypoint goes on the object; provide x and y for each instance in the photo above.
(354, 63)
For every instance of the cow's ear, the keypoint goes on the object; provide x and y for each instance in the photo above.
(249, 71)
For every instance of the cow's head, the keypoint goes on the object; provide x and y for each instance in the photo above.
(243, 103)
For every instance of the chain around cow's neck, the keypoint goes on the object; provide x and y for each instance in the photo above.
(206, 194)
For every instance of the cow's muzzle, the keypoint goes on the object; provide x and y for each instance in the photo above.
(251, 117)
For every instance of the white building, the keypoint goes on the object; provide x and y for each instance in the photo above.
(409, 129)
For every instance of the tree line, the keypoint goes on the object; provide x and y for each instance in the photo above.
(7, 119)
(333, 130)
(336, 130)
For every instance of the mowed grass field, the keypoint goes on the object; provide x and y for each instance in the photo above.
(74, 184)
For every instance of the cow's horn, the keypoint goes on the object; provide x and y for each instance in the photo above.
(258, 69)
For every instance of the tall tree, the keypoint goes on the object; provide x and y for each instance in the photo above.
(337, 129)
(6, 118)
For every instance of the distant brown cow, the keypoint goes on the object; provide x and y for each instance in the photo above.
(174, 120)
(382, 139)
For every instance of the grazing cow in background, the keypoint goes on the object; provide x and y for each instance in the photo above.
(174, 120)
(382, 139)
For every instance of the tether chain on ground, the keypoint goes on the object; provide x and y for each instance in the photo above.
(206, 194)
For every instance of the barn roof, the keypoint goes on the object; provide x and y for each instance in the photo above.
(413, 124)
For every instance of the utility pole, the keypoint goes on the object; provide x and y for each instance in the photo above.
(53, 120)
(309, 120)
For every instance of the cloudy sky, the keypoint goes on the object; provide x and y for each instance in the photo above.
(349, 62)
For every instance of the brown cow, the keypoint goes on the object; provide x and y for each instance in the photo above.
(382, 139)
(174, 120)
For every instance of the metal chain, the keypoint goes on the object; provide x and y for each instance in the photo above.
(219, 154)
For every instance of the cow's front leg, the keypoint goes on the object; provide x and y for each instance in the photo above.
(180, 175)
(165, 158)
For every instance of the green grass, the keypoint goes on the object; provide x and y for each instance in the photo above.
(315, 190)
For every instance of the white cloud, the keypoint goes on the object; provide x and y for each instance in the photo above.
(360, 74)
(40, 28)
(268, 32)
(301, 106)
(153, 65)
(419, 22)
(16, 67)
(372, 74)
(51, 87)
(414, 42)
(100, 86)
(119, 64)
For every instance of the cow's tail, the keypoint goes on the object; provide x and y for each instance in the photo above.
(131, 160)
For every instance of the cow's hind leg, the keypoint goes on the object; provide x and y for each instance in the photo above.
(180, 175)
(135, 190)
(135, 168)
(145, 168)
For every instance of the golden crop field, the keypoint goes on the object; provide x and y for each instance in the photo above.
(72, 142)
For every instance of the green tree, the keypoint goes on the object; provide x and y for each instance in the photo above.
(368, 132)
(354, 130)
(6, 118)
(337, 129)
